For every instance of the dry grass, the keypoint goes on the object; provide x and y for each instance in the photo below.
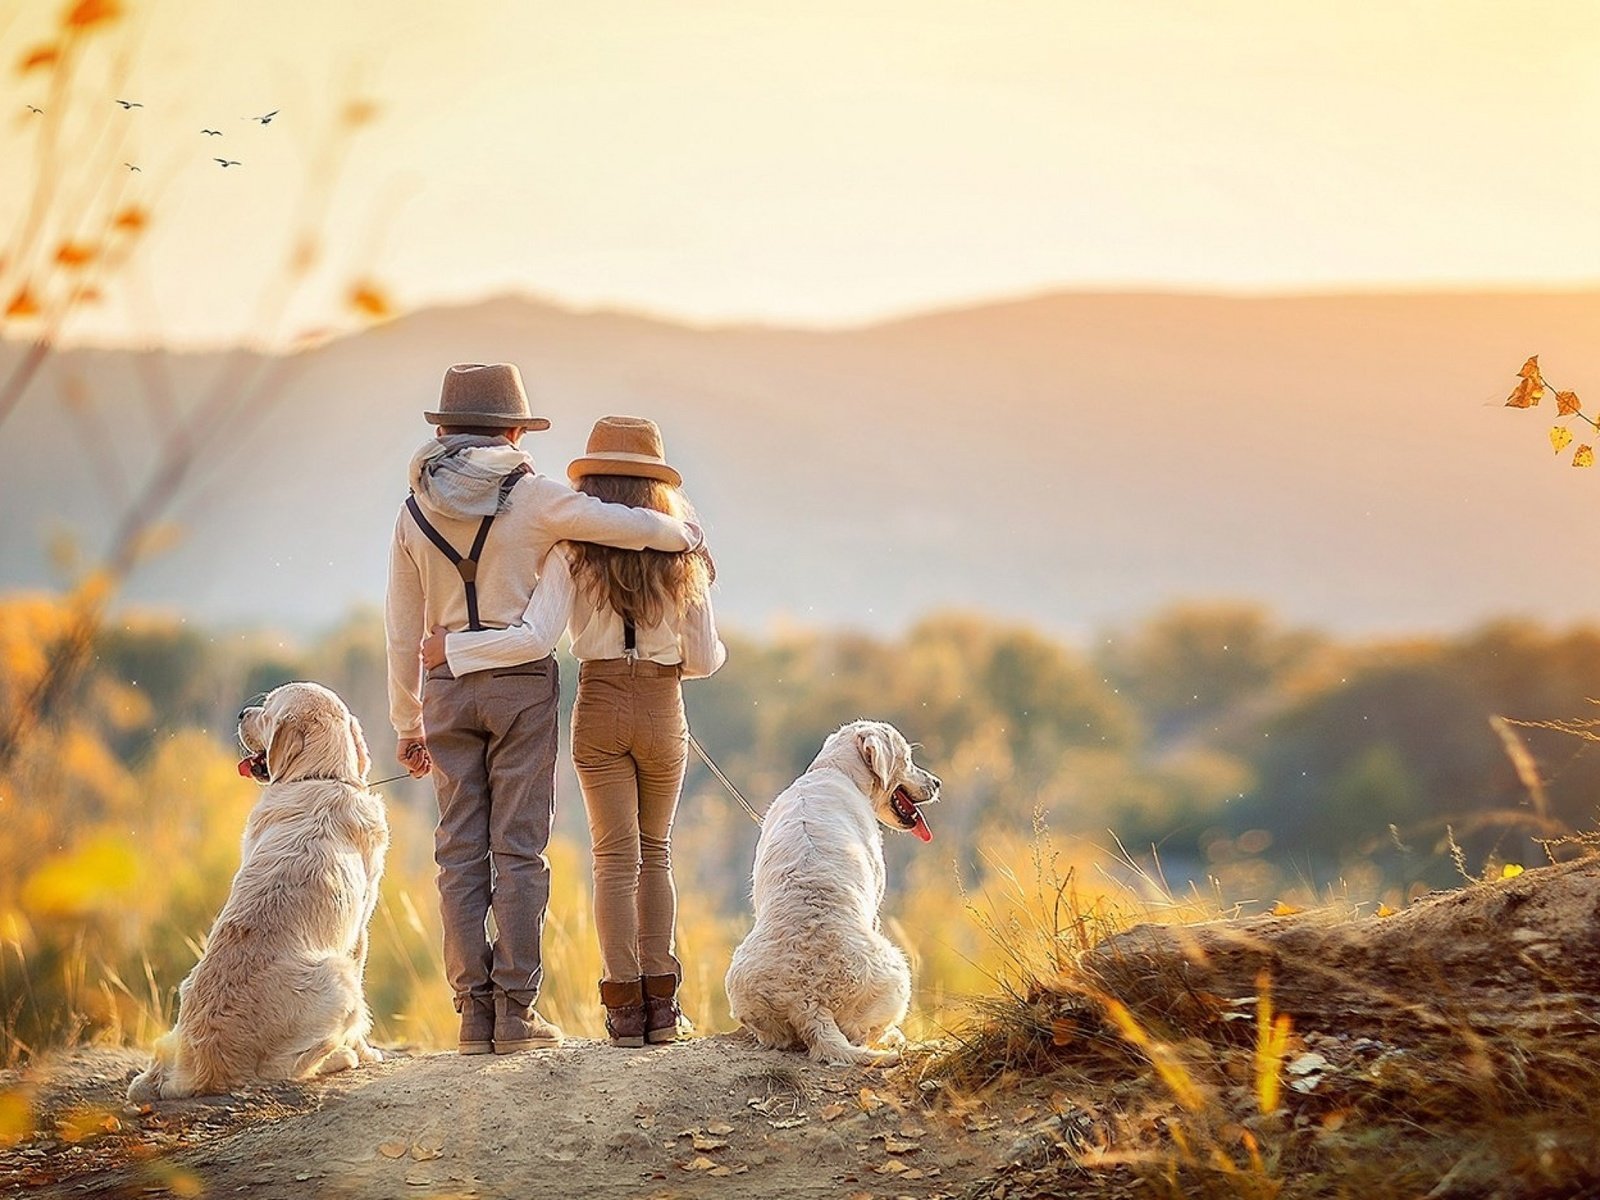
(1150, 1086)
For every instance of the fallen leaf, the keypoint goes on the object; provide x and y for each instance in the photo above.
(1281, 909)
(831, 1112)
(868, 1099)
(705, 1142)
(699, 1163)
(1510, 871)
(1063, 1031)
(720, 1128)
(1023, 1115)
(893, 1167)
(893, 1145)
(789, 1122)
(1305, 1064)
(720, 1172)
(1583, 456)
(1560, 437)
(1567, 403)
(421, 1153)
(1385, 911)
(393, 1149)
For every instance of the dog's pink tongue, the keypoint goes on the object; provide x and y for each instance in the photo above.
(921, 829)
(244, 766)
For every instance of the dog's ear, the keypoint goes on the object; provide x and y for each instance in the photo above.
(877, 753)
(285, 744)
(363, 759)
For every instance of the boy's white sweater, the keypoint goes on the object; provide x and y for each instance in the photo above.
(425, 589)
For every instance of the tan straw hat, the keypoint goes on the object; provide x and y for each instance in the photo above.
(484, 394)
(624, 446)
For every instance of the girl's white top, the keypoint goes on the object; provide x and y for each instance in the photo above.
(688, 639)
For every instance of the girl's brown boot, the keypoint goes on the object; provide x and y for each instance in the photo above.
(625, 1016)
(662, 1015)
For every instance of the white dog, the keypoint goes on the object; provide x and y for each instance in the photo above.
(816, 972)
(278, 993)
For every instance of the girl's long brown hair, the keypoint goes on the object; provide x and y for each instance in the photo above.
(642, 585)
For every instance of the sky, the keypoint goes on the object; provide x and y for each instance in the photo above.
(821, 163)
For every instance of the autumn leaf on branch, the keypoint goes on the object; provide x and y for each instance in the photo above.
(1583, 456)
(1526, 394)
(1567, 404)
(1560, 436)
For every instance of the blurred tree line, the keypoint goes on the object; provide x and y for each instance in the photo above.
(1219, 747)
(1197, 731)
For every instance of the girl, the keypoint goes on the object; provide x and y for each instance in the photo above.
(640, 621)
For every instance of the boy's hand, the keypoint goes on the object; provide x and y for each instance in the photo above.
(433, 648)
(413, 755)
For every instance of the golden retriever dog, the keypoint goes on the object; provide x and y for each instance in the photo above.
(816, 972)
(278, 992)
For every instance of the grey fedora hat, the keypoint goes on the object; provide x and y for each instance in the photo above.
(484, 394)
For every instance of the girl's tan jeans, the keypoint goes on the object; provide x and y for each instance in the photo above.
(630, 743)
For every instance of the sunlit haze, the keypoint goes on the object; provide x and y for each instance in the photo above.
(830, 162)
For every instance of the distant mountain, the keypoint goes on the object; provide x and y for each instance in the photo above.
(1071, 459)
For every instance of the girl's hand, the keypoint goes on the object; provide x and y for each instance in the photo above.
(433, 648)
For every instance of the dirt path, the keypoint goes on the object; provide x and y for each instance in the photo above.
(708, 1117)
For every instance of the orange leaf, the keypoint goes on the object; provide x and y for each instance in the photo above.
(1280, 909)
(1385, 911)
(1062, 1032)
(1530, 370)
(368, 300)
(1567, 403)
(1527, 393)
(22, 305)
(130, 220)
(1583, 456)
(39, 56)
(1560, 436)
(75, 254)
(88, 13)
(359, 112)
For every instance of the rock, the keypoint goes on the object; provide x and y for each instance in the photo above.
(1448, 957)
(630, 1145)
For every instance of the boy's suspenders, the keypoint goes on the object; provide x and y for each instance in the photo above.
(466, 565)
(630, 637)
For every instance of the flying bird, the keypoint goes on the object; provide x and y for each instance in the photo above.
(131, 167)
(228, 162)
(34, 109)
(266, 120)
(127, 104)
(212, 132)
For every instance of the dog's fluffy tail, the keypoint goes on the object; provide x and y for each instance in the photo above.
(826, 1042)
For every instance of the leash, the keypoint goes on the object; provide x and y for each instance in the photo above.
(391, 779)
(723, 779)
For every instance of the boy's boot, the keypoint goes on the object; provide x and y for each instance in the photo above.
(624, 1004)
(519, 1027)
(663, 1018)
(477, 1023)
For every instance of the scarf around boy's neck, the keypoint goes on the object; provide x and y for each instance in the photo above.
(459, 474)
